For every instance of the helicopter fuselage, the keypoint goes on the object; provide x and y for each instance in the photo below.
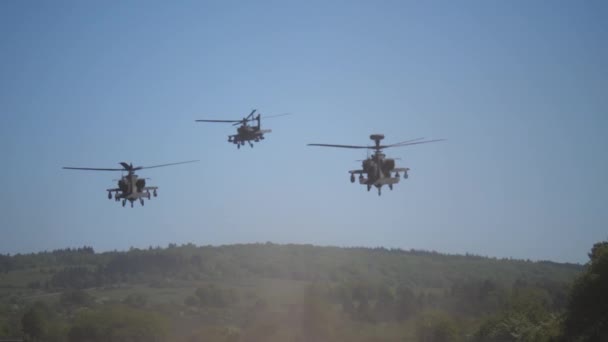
(378, 170)
(132, 188)
(246, 133)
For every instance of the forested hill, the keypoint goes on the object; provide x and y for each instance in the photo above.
(82, 267)
(270, 292)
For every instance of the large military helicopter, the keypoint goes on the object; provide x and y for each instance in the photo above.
(244, 132)
(377, 167)
(130, 187)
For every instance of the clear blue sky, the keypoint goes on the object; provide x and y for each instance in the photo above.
(519, 89)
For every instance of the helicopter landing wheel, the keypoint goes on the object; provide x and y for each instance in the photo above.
(109, 195)
(154, 193)
(379, 191)
(238, 146)
(124, 202)
(131, 204)
(390, 186)
(369, 187)
(148, 194)
(352, 178)
(141, 200)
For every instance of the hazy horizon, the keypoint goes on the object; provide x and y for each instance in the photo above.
(518, 89)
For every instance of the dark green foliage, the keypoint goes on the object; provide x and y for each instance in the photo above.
(587, 311)
(119, 324)
(406, 304)
(214, 296)
(34, 322)
(6, 263)
(74, 278)
(481, 296)
(359, 294)
(81, 268)
(436, 327)
(136, 300)
(61, 257)
(137, 261)
(526, 318)
(39, 323)
(75, 299)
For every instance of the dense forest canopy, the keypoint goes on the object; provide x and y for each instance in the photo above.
(272, 292)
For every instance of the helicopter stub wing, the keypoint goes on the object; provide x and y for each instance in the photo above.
(401, 169)
(113, 190)
(264, 131)
(356, 172)
(150, 188)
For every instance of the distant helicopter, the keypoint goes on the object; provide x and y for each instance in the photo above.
(130, 187)
(246, 133)
(378, 168)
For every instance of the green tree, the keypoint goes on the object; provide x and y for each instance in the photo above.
(119, 324)
(436, 326)
(525, 318)
(587, 311)
(34, 322)
(406, 304)
(75, 299)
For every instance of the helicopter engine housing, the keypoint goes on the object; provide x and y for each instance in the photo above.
(122, 185)
(140, 184)
(368, 164)
(388, 164)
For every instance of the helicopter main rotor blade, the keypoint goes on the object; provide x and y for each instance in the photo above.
(407, 141)
(412, 143)
(162, 165)
(90, 169)
(399, 144)
(275, 116)
(341, 146)
(225, 121)
(242, 122)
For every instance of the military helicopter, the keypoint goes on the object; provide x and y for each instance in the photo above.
(130, 187)
(378, 168)
(246, 133)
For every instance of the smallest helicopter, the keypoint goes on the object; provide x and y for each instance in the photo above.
(130, 187)
(246, 133)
